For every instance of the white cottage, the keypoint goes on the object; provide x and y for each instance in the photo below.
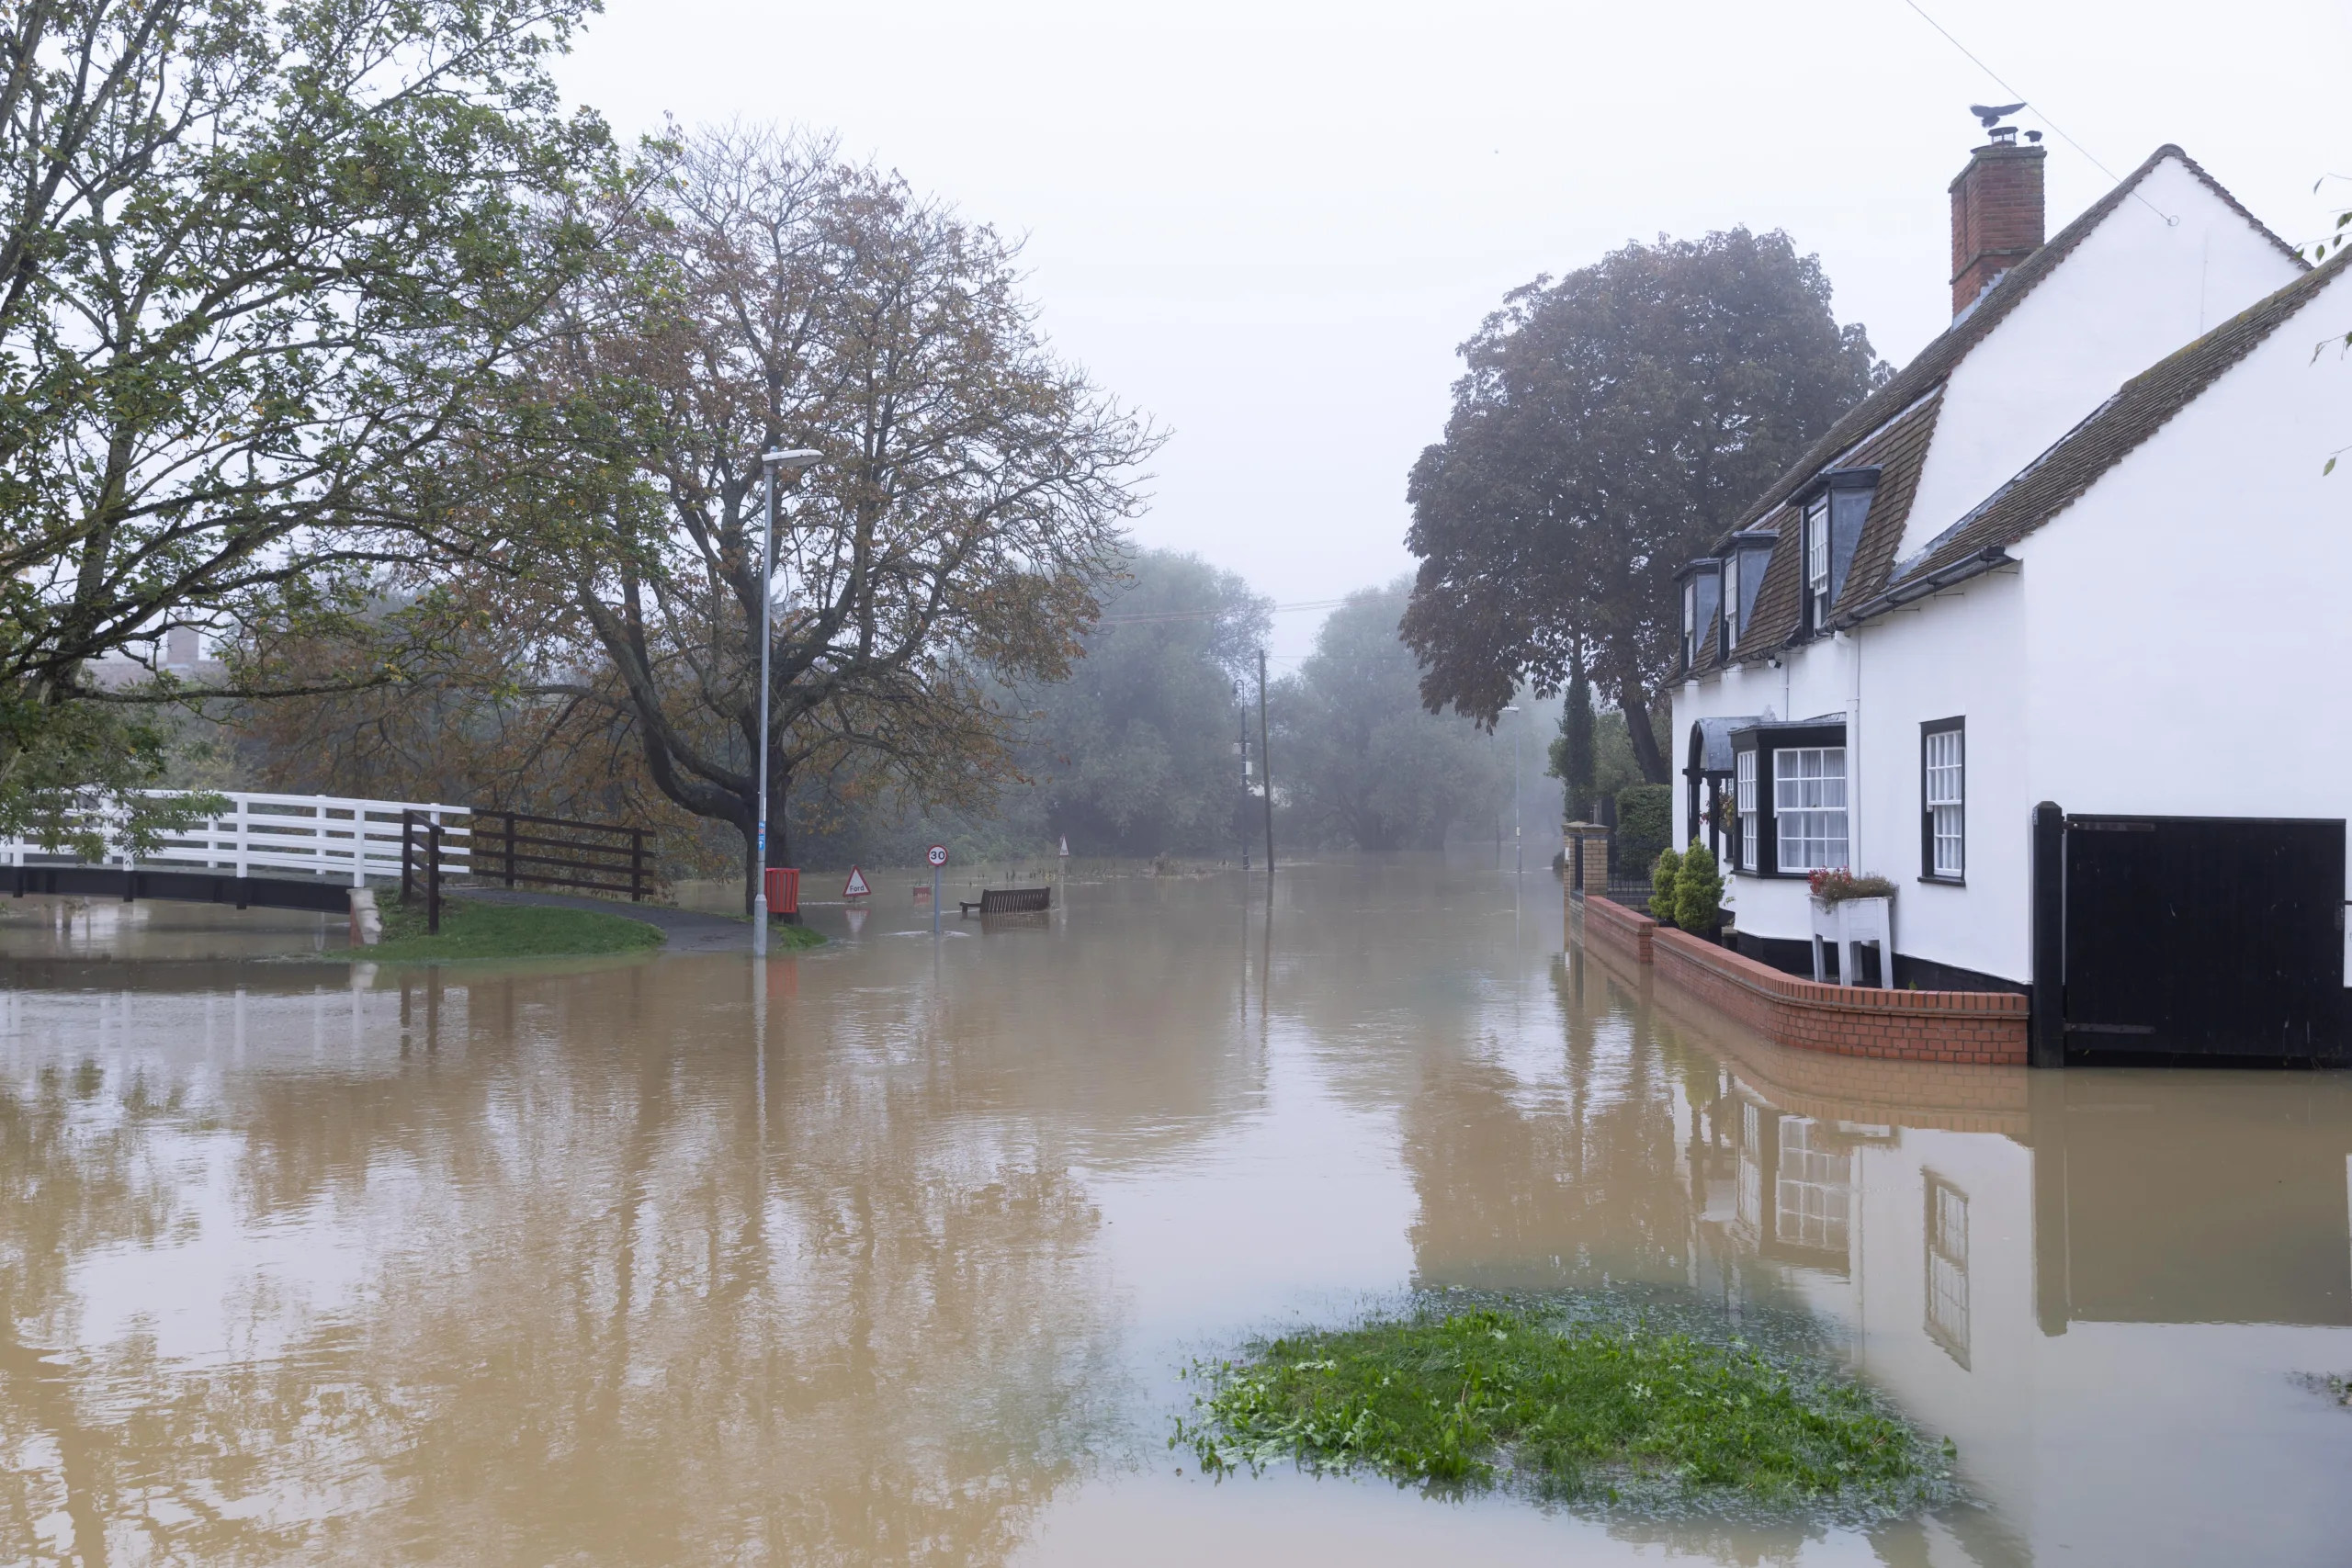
(2051, 630)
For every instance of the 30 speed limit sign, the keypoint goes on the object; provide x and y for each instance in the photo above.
(936, 854)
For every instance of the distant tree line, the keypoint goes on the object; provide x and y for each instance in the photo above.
(325, 330)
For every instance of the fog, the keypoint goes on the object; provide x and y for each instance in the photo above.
(1268, 224)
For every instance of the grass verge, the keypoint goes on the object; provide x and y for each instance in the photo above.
(1609, 1410)
(476, 929)
(794, 938)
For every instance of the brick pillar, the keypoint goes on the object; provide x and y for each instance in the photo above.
(1594, 838)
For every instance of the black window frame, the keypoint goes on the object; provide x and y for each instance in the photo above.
(1927, 872)
(1764, 739)
(1728, 574)
(1813, 510)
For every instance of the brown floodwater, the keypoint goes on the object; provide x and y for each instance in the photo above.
(890, 1252)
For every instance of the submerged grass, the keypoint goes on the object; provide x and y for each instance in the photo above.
(1573, 1406)
(475, 929)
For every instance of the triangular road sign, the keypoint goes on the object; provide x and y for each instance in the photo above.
(855, 887)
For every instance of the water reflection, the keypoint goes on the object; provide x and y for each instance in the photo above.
(888, 1255)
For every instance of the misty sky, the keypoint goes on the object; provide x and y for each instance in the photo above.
(1268, 224)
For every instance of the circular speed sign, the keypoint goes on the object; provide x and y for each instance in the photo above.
(936, 854)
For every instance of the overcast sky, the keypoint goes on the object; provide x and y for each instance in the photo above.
(1270, 223)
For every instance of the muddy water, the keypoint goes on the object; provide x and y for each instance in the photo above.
(889, 1253)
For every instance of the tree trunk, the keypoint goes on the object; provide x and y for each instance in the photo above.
(1645, 740)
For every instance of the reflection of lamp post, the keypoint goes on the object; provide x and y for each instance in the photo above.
(796, 462)
(1518, 846)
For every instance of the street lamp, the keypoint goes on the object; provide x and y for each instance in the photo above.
(1518, 843)
(795, 462)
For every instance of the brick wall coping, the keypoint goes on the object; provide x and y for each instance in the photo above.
(1767, 981)
(1958, 1027)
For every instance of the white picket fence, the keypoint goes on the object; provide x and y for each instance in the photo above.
(323, 835)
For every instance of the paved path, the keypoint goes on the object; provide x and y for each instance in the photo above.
(684, 931)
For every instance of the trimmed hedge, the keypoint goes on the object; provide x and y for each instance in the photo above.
(1645, 826)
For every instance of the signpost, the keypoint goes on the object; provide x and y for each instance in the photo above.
(937, 856)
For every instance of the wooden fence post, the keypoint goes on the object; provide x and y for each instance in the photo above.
(433, 879)
(636, 866)
(510, 849)
(408, 838)
(2047, 1026)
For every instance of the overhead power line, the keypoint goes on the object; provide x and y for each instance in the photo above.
(2043, 115)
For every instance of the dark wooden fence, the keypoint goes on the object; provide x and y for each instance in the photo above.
(512, 848)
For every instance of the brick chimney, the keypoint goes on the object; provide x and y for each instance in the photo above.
(1996, 215)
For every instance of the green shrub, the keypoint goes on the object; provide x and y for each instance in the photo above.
(1666, 885)
(1698, 890)
(1568, 1409)
(1644, 824)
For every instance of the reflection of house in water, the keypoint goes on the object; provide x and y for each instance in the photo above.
(2103, 1288)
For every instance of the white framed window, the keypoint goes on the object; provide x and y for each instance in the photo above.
(1731, 601)
(1946, 1281)
(1817, 560)
(1944, 779)
(1689, 621)
(1744, 803)
(1809, 807)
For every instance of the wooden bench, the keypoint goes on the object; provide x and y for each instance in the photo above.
(1010, 902)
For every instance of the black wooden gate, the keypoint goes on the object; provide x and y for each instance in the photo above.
(2205, 936)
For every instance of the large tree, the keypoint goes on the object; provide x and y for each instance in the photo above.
(1356, 754)
(1609, 426)
(1135, 751)
(252, 258)
(948, 548)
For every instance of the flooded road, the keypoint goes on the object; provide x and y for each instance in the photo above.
(891, 1252)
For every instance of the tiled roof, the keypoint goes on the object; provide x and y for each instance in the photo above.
(1933, 363)
(1898, 452)
(2144, 405)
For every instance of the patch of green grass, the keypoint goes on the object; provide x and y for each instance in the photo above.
(478, 929)
(794, 938)
(1612, 1411)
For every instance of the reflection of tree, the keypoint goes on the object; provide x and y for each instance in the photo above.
(71, 1180)
(1556, 1178)
(608, 1304)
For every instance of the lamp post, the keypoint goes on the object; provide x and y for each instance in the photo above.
(797, 462)
(1518, 843)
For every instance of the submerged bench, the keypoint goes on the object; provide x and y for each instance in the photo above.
(1011, 901)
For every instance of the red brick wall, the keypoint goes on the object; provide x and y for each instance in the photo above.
(1628, 931)
(1891, 1091)
(1977, 1028)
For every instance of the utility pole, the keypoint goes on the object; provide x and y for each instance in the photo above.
(794, 463)
(1266, 758)
(1241, 749)
(1517, 829)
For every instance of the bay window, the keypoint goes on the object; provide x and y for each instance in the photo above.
(1745, 849)
(1809, 807)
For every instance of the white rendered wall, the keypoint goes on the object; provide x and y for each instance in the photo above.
(1963, 654)
(2189, 643)
(2137, 288)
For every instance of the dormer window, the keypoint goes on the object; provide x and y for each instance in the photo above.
(1699, 598)
(1731, 604)
(1817, 562)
